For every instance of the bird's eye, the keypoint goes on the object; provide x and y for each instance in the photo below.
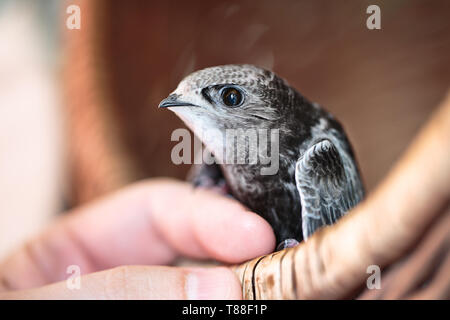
(232, 97)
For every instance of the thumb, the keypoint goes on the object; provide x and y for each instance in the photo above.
(141, 282)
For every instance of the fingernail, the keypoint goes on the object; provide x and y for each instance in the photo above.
(212, 284)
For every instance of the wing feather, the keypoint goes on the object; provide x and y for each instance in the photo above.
(328, 184)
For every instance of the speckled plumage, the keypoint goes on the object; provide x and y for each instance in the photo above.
(317, 181)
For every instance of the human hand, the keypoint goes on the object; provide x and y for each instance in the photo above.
(124, 242)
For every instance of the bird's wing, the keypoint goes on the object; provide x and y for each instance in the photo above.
(328, 187)
(205, 175)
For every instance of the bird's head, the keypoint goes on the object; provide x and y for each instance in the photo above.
(229, 97)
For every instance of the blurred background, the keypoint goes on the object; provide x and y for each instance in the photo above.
(78, 108)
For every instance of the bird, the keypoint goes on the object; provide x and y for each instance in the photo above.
(317, 179)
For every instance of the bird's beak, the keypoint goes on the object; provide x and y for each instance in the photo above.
(173, 101)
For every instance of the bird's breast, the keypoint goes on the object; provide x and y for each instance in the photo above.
(274, 197)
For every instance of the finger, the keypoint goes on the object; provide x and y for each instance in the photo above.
(148, 223)
(211, 226)
(140, 282)
(164, 218)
